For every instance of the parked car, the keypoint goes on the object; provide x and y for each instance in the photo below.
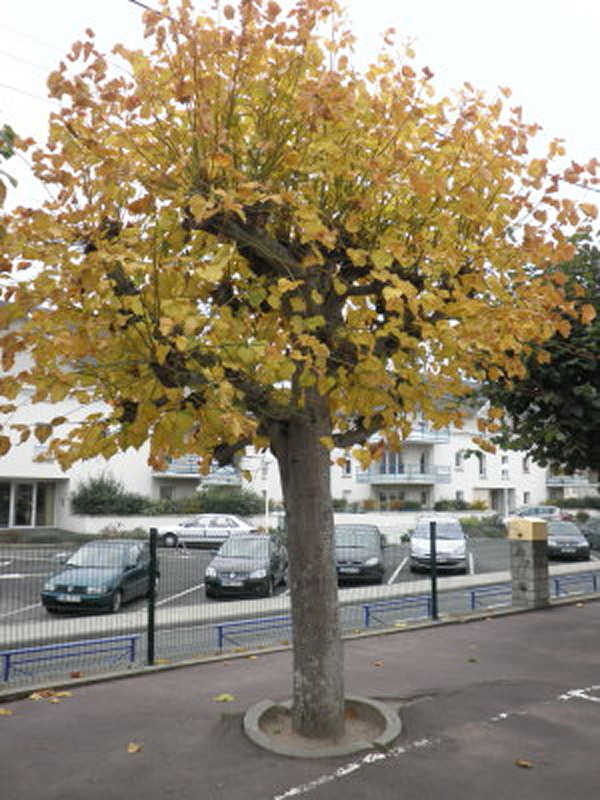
(591, 530)
(451, 545)
(245, 564)
(100, 575)
(542, 511)
(359, 553)
(205, 529)
(565, 540)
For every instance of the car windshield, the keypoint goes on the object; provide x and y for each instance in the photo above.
(443, 530)
(98, 557)
(243, 547)
(356, 538)
(564, 529)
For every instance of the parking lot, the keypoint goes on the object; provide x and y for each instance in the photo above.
(24, 569)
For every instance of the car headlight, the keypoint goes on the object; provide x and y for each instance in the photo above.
(49, 586)
(259, 573)
(371, 562)
(102, 589)
(211, 572)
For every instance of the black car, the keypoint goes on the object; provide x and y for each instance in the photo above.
(591, 530)
(565, 540)
(359, 553)
(101, 575)
(246, 564)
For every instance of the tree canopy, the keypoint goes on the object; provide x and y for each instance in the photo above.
(241, 214)
(554, 411)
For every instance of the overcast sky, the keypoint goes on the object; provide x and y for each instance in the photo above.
(546, 51)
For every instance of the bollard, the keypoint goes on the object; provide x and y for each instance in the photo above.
(529, 562)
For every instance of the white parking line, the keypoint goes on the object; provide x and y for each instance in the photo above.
(13, 575)
(397, 571)
(180, 594)
(18, 611)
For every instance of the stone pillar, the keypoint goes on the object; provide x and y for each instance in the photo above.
(528, 562)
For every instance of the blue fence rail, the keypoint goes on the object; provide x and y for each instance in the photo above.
(373, 611)
(481, 594)
(584, 581)
(227, 630)
(119, 647)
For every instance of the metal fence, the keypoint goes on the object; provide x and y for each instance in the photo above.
(68, 612)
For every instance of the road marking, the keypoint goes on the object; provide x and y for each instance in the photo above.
(18, 610)
(594, 558)
(180, 594)
(13, 575)
(398, 570)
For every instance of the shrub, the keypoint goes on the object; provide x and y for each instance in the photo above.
(106, 495)
(225, 500)
(451, 505)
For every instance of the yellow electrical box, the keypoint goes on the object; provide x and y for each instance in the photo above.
(527, 529)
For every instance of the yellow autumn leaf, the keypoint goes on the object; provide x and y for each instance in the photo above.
(589, 209)
(588, 313)
(224, 698)
(5, 712)
(134, 747)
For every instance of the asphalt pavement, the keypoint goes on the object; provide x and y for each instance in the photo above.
(504, 707)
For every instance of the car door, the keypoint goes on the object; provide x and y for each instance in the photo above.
(135, 575)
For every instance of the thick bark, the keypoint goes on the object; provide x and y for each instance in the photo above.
(304, 463)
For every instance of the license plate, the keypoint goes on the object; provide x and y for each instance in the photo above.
(69, 598)
(350, 570)
(232, 583)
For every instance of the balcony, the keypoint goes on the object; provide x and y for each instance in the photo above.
(410, 474)
(187, 467)
(422, 433)
(577, 479)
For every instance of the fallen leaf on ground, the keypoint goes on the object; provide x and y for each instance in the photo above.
(50, 695)
(224, 698)
(521, 762)
(5, 712)
(473, 661)
(134, 747)
(579, 605)
(252, 658)
(378, 663)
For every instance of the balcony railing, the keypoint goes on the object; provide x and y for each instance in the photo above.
(577, 479)
(422, 433)
(187, 467)
(411, 473)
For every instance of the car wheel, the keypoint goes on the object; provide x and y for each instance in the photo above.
(116, 601)
(210, 593)
(170, 540)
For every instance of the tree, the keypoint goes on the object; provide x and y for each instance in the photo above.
(7, 150)
(554, 410)
(254, 242)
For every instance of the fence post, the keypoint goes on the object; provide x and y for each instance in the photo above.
(153, 575)
(433, 562)
(529, 562)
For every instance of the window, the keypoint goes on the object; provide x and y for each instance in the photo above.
(459, 460)
(166, 492)
(460, 495)
(347, 468)
(526, 466)
(24, 504)
(482, 465)
(526, 497)
(4, 504)
(505, 459)
(505, 475)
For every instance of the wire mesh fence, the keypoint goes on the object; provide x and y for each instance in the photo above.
(74, 609)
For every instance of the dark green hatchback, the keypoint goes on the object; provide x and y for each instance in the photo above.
(101, 575)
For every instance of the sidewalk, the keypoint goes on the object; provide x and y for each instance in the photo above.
(506, 707)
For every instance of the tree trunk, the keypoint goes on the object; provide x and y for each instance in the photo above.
(304, 464)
